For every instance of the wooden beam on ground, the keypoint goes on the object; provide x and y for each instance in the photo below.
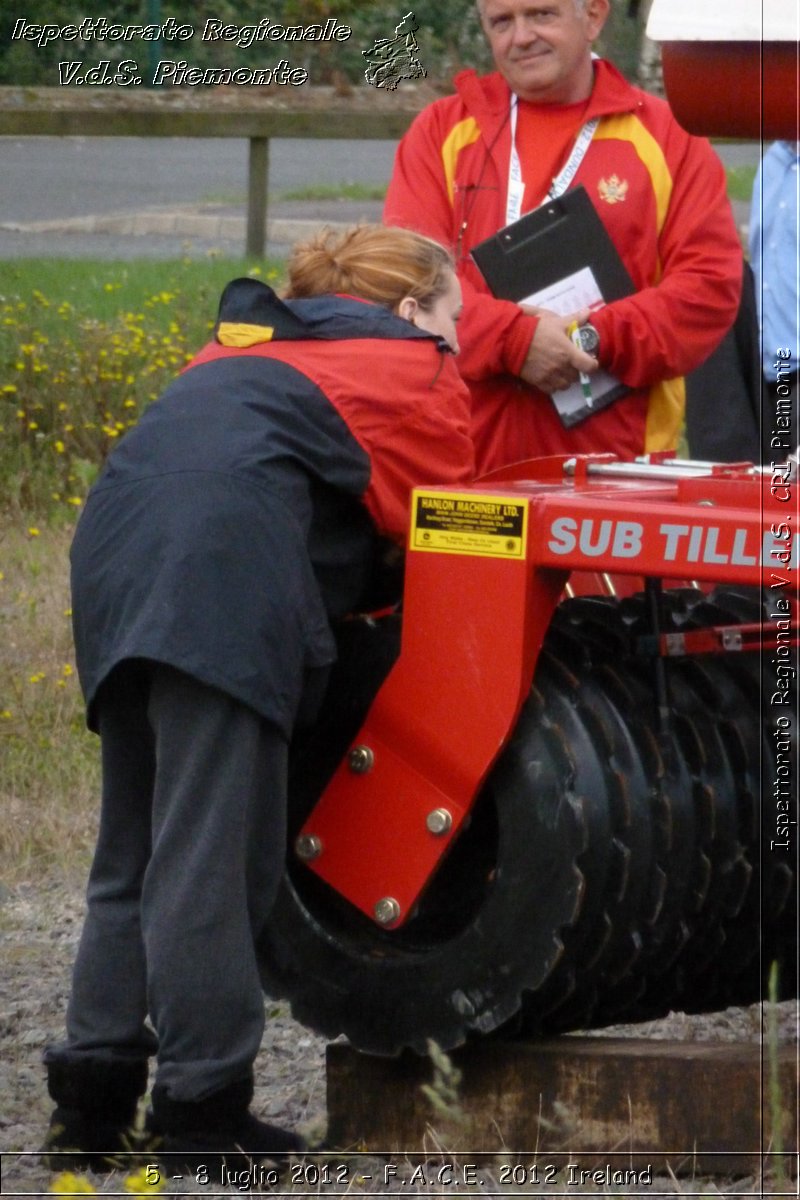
(691, 1107)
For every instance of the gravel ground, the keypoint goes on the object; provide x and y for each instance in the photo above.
(39, 926)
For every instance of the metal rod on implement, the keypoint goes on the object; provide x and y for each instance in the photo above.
(634, 470)
(702, 466)
(673, 468)
(694, 466)
(640, 470)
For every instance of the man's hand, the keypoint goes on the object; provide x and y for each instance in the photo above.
(554, 361)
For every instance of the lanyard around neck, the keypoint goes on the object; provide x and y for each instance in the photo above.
(516, 184)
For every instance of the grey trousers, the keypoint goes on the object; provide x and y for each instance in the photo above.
(189, 856)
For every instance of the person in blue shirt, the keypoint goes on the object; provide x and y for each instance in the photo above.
(775, 259)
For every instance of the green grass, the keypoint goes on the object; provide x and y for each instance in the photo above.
(336, 191)
(84, 348)
(313, 191)
(740, 182)
(230, 199)
(101, 290)
(49, 780)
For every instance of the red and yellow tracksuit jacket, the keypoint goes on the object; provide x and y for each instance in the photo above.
(661, 195)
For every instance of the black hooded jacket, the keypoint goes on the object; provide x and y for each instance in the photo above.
(251, 502)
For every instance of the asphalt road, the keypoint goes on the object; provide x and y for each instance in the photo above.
(49, 179)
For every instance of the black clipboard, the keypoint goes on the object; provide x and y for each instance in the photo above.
(546, 245)
(554, 242)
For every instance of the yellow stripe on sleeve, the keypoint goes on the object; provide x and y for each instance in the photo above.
(667, 403)
(666, 408)
(628, 128)
(463, 134)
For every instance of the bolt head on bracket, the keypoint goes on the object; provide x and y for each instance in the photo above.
(439, 821)
(361, 760)
(387, 911)
(308, 847)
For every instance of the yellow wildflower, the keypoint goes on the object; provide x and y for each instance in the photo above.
(33, 531)
(146, 1182)
(69, 1184)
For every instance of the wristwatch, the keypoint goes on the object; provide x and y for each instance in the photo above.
(589, 339)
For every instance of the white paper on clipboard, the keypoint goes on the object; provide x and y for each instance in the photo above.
(569, 295)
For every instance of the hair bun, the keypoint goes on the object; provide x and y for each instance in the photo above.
(375, 262)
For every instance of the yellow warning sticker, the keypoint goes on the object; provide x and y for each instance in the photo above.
(469, 523)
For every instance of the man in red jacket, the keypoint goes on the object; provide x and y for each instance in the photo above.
(552, 117)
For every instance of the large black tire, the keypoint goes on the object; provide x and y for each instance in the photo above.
(673, 773)
(610, 870)
(490, 926)
(623, 864)
(745, 895)
(555, 871)
(763, 928)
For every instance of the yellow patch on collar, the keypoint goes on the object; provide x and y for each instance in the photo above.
(242, 336)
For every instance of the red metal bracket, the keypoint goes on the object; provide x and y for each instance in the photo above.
(485, 569)
(474, 617)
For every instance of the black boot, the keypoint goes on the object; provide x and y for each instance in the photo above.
(218, 1132)
(96, 1097)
